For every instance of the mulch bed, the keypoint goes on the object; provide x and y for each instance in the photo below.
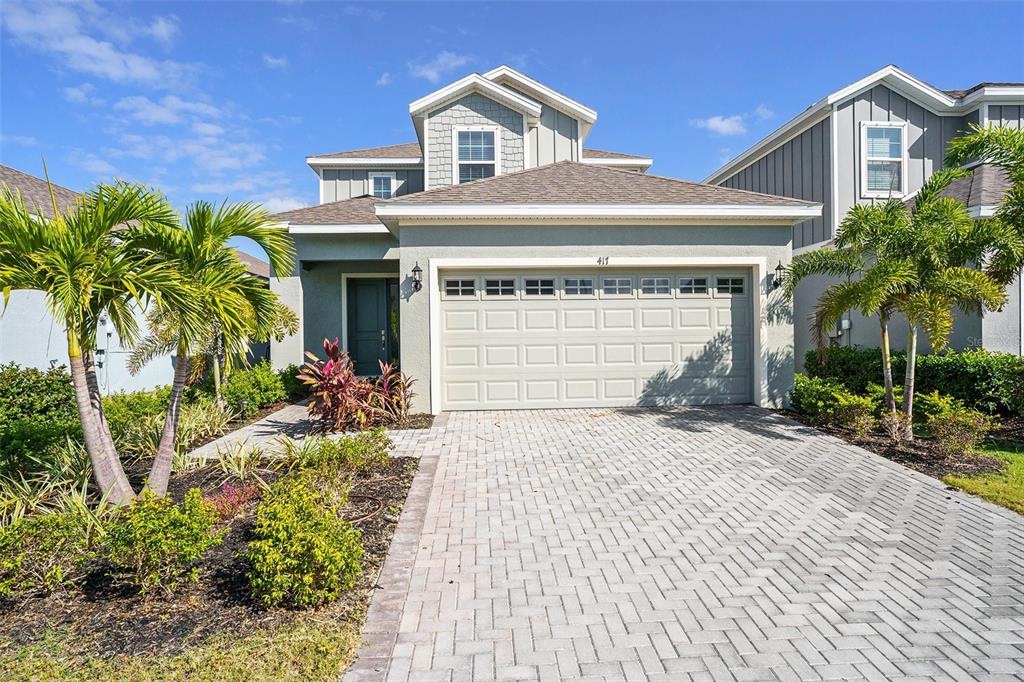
(108, 619)
(918, 454)
(414, 421)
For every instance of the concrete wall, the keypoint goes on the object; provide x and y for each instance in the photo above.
(344, 183)
(472, 110)
(420, 244)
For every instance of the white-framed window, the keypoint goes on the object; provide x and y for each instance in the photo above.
(578, 286)
(693, 285)
(539, 286)
(459, 287)
(655, 286)
(477, 153)
(500, 286)
(617, 286)
(883, 159)
(382, 185)
(728, 286)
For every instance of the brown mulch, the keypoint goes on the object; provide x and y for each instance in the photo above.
(107, 618)
(919, 454)
(414, 421)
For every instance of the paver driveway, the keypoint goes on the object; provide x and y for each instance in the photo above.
(699, 543)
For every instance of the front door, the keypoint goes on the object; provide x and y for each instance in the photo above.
(369, 329)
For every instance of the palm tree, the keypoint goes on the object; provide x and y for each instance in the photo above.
(86, 262)
(235, 306)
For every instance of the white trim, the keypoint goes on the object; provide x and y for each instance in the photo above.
(865, 193)
(327, 162)
(413, 210)
(470, 129)
(426, 152)
(833, 188)
(757, 264)
(345, 277)
(983, 115)
(320, 175)
(629, 163)
(474, 82)
(526, 145)
(542, 92)
(995, 92)
(381, 174)
(982, 211)
(372, 228)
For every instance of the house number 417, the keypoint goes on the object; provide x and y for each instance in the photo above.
(602, 260)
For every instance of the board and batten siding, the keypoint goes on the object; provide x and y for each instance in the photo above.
(1006, 115)
(346, 183)
(801, 168)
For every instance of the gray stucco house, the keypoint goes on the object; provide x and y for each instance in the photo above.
(879, 137)
(506, 265)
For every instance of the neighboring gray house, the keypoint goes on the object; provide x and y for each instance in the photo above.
(506, 265)
(881, 136)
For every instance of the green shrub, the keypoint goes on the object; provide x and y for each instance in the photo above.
(248, 390)
(854, 412)
(294, 387)
(158, 542)
(198, 421)
(26, 444)
(958, 430)
(125, 410)
(303, 553)
(44, 553)
(359, 453)
(28, 393)
(814, 397)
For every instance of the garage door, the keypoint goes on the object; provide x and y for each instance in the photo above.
(580, 339)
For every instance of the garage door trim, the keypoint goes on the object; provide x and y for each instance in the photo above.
(757, 264)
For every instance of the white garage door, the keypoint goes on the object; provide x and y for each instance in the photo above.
(579, 339)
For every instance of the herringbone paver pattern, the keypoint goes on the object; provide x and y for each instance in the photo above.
(697, 544)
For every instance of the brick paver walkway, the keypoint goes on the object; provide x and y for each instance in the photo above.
(699, 543)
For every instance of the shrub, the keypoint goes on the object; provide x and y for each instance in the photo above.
(815, 397)
(158, 542)
(293, 384)
(359, 453)
(392, 392)
(26, 444)
(958, 430)
(303, 554)
(124, 410)
(44, 553)
(854, 412)
(230, 499)
(198, 421)
(28, 393)
(248, 390)
(895, 425)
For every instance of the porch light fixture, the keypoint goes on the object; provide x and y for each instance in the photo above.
(417, 277)
(780, 276)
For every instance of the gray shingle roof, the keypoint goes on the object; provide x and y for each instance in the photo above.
(960, 94)
(35, 192)
(576, 183)
(603, 154)
(357, 211)
(985, 186)
(407, 150)
(255, 266)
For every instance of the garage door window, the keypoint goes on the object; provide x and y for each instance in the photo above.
(539, 287)
(499, 287)
(655, 286)
(617, 286)
(729, 286)
(459, 287)
(693, 286)
(579, 286)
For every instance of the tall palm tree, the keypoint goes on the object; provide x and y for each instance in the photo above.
(85, 260)
(234, 305)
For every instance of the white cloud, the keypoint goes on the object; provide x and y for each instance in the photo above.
(167, 111)
(721, 125)
(280, 203)
(275, 62)
(165, 29)
(440, 65)
(91, 163)
(385, 79)
(20, 140)
(363, 11)
(763, 112)
(207, 129)
(82, 94)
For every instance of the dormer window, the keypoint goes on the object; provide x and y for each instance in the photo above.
(382, 185)
(883, 159)
(477, 153)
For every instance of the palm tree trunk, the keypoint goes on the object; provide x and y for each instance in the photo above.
(96, 400)
(890, 399)
(216, 372)
(106, 466)
(160, 474)
(908, 380)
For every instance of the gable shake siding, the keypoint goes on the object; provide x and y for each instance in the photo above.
(472, 110)
(346, 183)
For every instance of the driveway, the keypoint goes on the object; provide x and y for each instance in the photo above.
(697, 543)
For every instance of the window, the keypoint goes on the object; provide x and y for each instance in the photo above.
(477, 154)
(459, 287)
(581, 286)
(693, 285)
(729, 285)
(500, 287)
(617, 286)
(382, 185)
(539, 287)
(654, 285)
(882, 159)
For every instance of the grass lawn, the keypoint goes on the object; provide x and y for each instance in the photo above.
(1005, 488)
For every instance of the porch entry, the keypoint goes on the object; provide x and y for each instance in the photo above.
(372, 322)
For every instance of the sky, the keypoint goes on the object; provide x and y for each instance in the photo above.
(224, 100)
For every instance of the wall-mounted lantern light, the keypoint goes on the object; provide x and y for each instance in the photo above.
(780, 276)
(417, 277)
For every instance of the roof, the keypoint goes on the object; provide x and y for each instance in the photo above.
(567, 182)
(960, 94)
(253, 264)
(355, 211)
(406, 150)
(35, 193)
(985, 186)
(602, 154)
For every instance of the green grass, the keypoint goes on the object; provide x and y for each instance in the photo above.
(1005, 488)
(308, 649)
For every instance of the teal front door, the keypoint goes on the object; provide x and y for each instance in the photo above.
(370, 334)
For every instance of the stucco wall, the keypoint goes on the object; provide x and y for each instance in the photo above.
(472, 110)
(425, 242)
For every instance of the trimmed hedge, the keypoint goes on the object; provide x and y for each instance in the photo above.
(986, 381)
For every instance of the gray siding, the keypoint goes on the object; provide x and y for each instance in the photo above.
(555, 137)
(472, 110)
(1010, 116)
(345, 183)
(801, 168)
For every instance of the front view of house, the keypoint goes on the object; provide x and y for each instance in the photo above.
(505, 265)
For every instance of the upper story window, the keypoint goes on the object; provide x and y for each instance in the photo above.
(477, 155)
(382, 185)
(883, 159)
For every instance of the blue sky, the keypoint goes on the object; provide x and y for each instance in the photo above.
(225, 99)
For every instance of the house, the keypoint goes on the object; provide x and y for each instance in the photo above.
(505, 264)
(30, 337)
(879, 137)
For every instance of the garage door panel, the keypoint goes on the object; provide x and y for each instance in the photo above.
(541, 390)
(580, 355)
(540, 356)
(500, 320)
(695, 318)
(460, 320)
(464, 392)
(581, 389)
(540, 320)
(461, 356)
(618, 353)
(579, 320)
(655, 353)
(658, 318)
(501, 356)
(501, 391)
(618, 319)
